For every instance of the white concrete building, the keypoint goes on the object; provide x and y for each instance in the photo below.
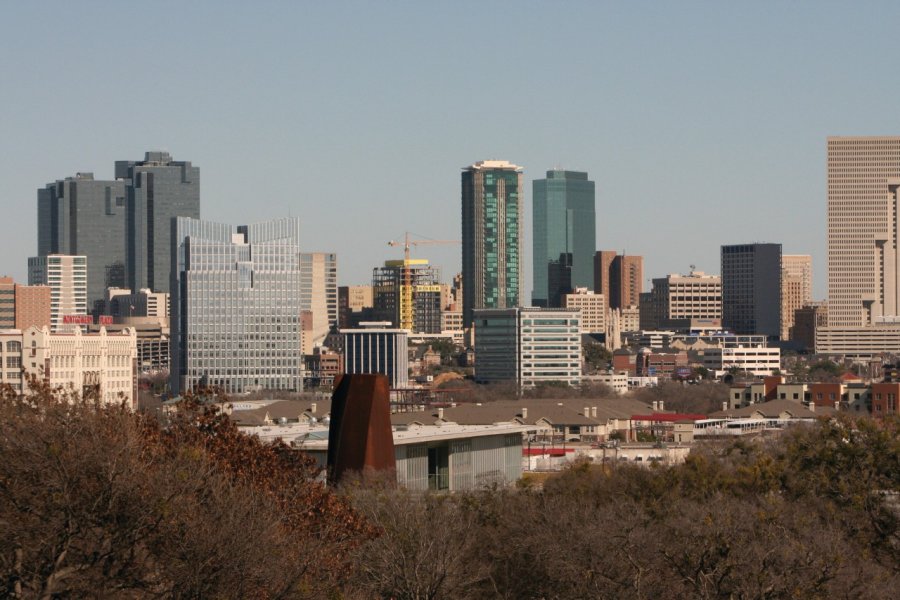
(859, 342)
(528, 346)
(67, 277)
(618, 382)
(452, 325)
(72, 362)
(758, 359)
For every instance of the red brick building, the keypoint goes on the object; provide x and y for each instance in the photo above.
(884, 399)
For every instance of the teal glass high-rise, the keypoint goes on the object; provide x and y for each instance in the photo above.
(564, 223)
(492, 214)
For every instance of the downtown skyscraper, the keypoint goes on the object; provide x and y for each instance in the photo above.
(235, 308)
(492, 237)
(158, 189)
(84, 216)
(619, 277)
(863, 253)
(751, 289)
(564, 230)
(123, 227)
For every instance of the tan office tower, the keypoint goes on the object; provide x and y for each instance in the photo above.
(619, 277)
(796, 288)
(318, 295)
(863, 281)
(681, 297)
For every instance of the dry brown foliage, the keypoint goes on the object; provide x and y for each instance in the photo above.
(98, 502)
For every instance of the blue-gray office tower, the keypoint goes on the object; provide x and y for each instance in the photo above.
(85, 216)
(564, 223)
(158, 189)
(235, 306)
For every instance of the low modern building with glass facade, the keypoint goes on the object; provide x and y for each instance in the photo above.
(528, 346)
(446, 456)
(235, 306)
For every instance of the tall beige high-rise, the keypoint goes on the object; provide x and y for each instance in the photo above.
(863, 262)
(796, 288)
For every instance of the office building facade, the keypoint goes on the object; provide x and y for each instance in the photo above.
(863, 261)
(492, 237)
(353, 300)
(751, 289)
(563, 223)
(318, 296)
(592, 309)
(235, 306)
(157, 190)
(528, 346)
(99, 365)
(23, 306)
(696, 296)
(377, 348)
(796, 288)
(145, 303)
(86, 217)
(619, 277)
(67, 278)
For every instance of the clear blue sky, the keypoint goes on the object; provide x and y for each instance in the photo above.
(702, 123)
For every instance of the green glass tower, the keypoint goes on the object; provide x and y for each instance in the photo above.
(564, 223)
(492, 215)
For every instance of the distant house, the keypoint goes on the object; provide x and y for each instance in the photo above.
(569, 420)
(758, 418)
(773, 409)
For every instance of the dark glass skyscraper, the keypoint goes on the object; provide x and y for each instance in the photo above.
(124, 226)
(564, 222)
(85, 216)
(157, 190)
(751, 289)
(492, 209)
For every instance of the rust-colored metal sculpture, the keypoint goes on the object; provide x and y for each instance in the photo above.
(360, 437)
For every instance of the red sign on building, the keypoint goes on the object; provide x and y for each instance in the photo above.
(78, 320)
(104, 320)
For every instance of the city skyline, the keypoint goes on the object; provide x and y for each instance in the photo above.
(714, 132)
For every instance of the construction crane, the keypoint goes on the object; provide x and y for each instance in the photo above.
(406, 287)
